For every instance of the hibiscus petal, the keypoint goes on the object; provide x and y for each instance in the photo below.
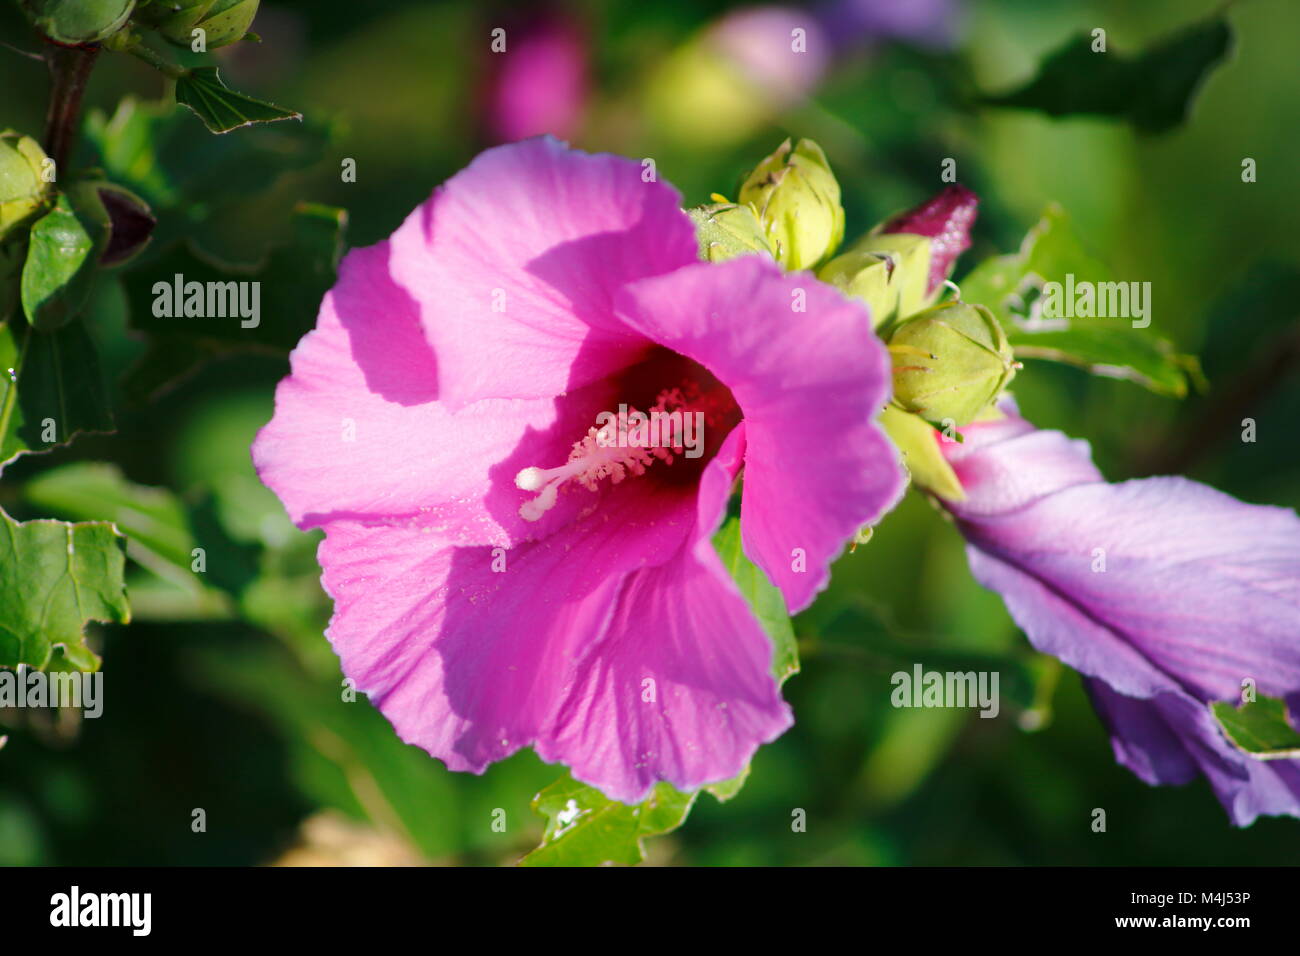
(358, 434)
(809, 383)
(1167, 739)
(680, 687)
(513, 264)
(1205, 589)
(468, 651)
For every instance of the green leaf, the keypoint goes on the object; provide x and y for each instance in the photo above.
(55, 577)
(221, 108)
(160, 527)
(1011, 287)
(586, 828)
(50, 387)
(1153, 91)
(59, 268)
(149, 147)
(1260, 727)
(764, 598)
(293, 280)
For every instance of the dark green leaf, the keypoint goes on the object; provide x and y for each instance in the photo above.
(1153, 90)
(221, 108)
(1011, 287)
(586, 828)
(59, 268)
(55, 577)
(293, 279)
(1260, 728)
(150, 147)
(50, 387)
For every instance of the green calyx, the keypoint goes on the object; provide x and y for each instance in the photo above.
(797, 200)
(950, 362)
(918, 445)
(74, 22)
(727, 230)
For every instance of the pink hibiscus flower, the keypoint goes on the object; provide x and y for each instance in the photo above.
(502, 577)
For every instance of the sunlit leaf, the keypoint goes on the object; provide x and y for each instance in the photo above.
(59, 267)
(1260, 728)
(586, 828)
(1012, 285)
(763, 597)
(54, 578)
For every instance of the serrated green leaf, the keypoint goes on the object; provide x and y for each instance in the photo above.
(1153, 91)
(54, 578)
(1009, 284)
(60, 265)
(48, 380)
(1260, 727)
(220, 107)
(586, 828)
(763, 597)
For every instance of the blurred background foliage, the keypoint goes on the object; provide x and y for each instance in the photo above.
(225, 696)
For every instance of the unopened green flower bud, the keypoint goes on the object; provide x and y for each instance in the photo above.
(23, 189)
(909, 265)
(222, 21)
(865, 276)
(950, 362)
(78, 21)
(726, 230)
(797, 199)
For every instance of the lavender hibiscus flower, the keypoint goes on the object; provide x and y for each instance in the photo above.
(501, 575)
(1164, 593)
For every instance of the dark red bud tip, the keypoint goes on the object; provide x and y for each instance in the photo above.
(946, 220)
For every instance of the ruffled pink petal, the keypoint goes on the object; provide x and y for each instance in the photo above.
(358, 434)
(809, 384)
(469, 661)
(680, 687)
(513, 264)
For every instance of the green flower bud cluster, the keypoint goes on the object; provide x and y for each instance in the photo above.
(222, 21)
(80, 22)
(950, 362)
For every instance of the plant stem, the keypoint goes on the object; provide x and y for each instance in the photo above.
(70, 67)
(168, 69)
